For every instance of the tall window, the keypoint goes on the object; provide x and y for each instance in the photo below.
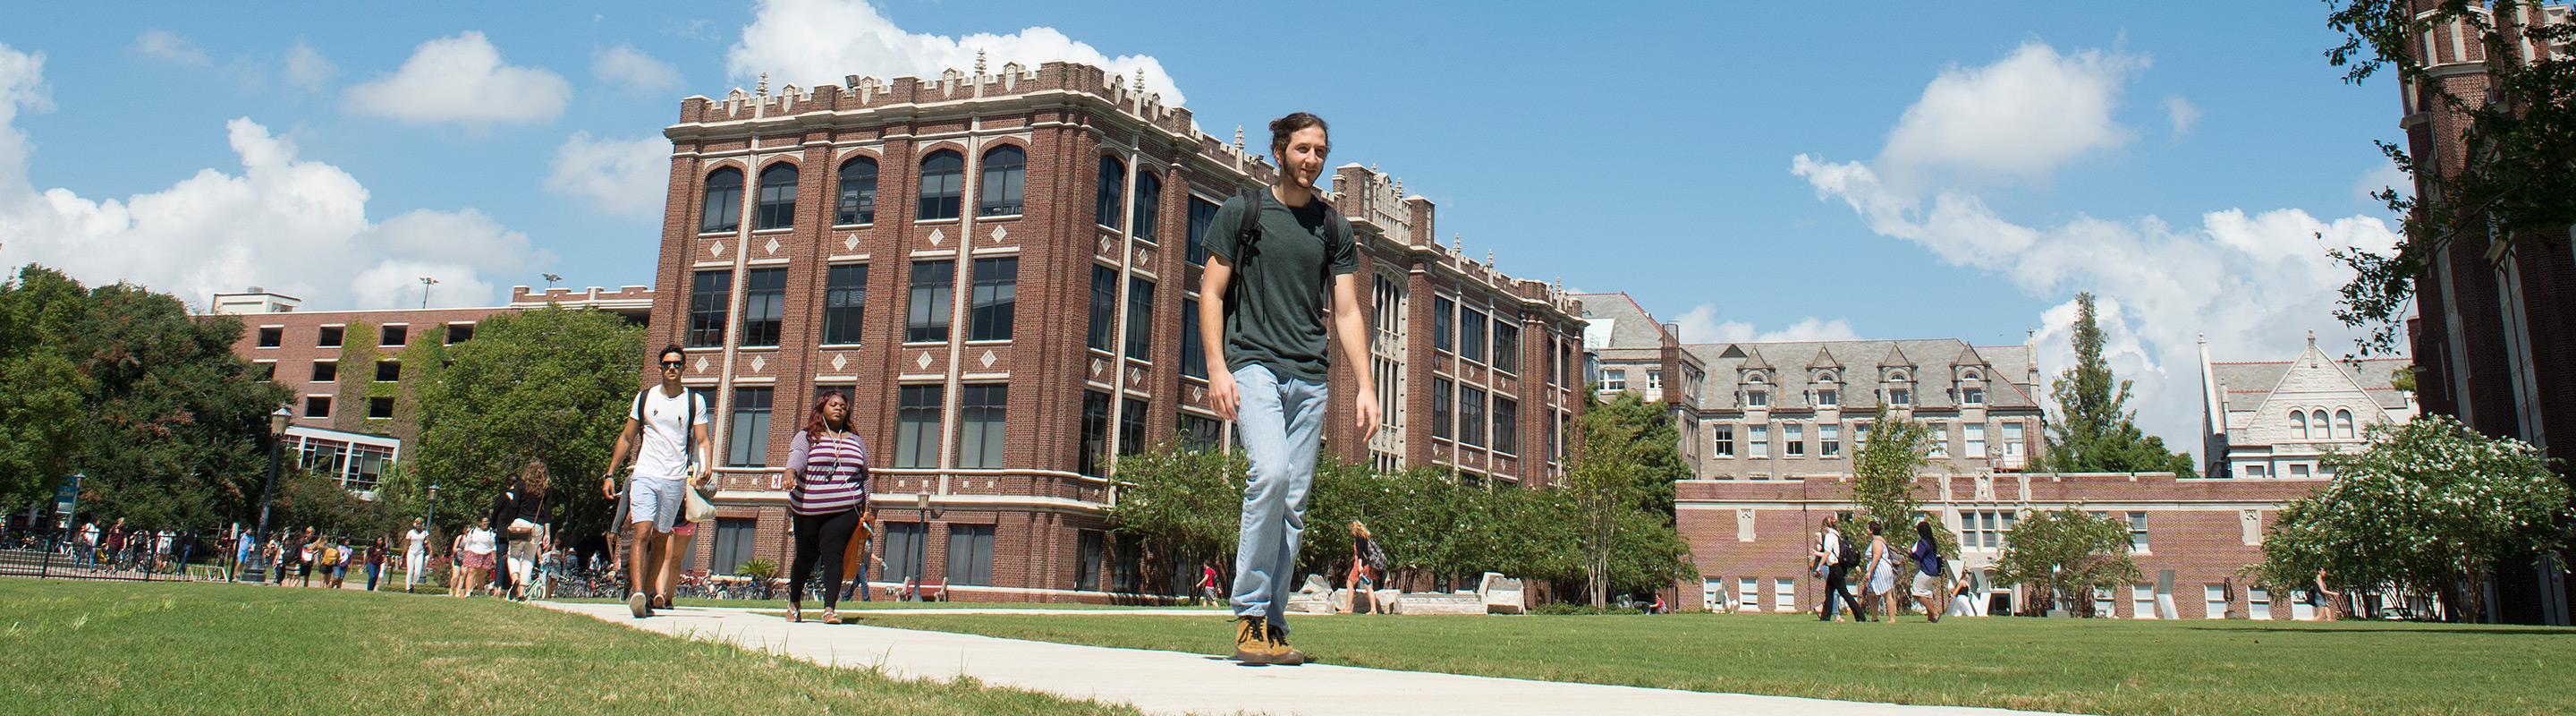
(2138, 532)
(917, 425)
(1200, 433)
(995, 298)
(943, 178)
(901, 541)
(858, 204)
(1006, 169)
(764, 305)
(1194, 351)
(1758, 441)
(1507, 429)
(981, 413)
(1140, 318)
(845, 303)
(1148, 217)
(777, 197)
(1444, 321)
(1940, 438)
(1471, 335)
(1104, 307)
(1507, 345)
(1088, 551)
(932, 284)
(1725, 437)
(1095, 433)
(1111, 198)
(1793, 440)
(1471, 416)
(1829, 439)
(1444, 399)
(1386, 294)
(2012, 440)
(709, 292)
(1202, 218)
(747, 436)
(733, 544)
(970, 554)
(2343, 425)
(1976, 439)
(722, 201)
(1131, 426)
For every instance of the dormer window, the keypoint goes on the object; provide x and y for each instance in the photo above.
(1900, 396)
(1757, 398)
(1972, 395)
(1827, 395)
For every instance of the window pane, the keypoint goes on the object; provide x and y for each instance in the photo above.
(1149, 206)
(996, 294)
(1507, 434)
(1202, 219)
(764, 305)
(709, 294)
(1507, 346)
(845, 303)
(903, 550)
(1443, 318)
(1112, 194)
(1104, 306)
(722, 201)
(1140, 319)
(981, 408)
(858, 204)
(1131, 427)
(932, 285)
(917, 425)
(747, 437)
(1193, 350)
(943, 177)
(998, 191)
(1095, 433)
(1471, 416)
(1443, 396)
(970, 554)
(733, 544)
(1471, 335)
(777, 197)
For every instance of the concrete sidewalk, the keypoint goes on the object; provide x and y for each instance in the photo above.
(1167, 682)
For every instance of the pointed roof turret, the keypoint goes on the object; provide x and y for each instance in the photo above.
(1753, 360)
(1824, 359)
(1895, 358)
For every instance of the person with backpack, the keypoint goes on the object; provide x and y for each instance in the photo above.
(1838, 555)
(1368, 566)
(518, 515)
(1289, 258)
(1926, 557)
(671, 422)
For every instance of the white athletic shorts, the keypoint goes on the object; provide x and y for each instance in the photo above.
(1925, 585)
(655, 500)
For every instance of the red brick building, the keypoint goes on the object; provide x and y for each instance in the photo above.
(1001, 270)
(1750, 537)
(2494, 341)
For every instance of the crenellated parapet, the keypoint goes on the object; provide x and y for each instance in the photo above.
(1375, 203)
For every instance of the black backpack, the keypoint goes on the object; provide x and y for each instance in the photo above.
(1247, 241)
(688, 445)
(1850, 555)
(1375, 556)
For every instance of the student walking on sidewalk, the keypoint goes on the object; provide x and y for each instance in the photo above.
(672, 422)
(1279, 259)
(827, 465)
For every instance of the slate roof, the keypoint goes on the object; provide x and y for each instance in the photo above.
(2246, 384)
(1934, 366)
(1630, 325)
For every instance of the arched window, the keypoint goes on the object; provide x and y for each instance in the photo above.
(1969, 374)
(1149, 206)
(943, 177)
(777, 197)
(723, 201)
(2343, 425)
(997, 193)
(1112, 195)
(858, 203)
(2299, 422)
(1827, 394)
(2317, 422)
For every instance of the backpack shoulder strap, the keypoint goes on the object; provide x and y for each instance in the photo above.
(1248, 229)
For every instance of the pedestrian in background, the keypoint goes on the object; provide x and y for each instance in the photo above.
(1880, 588)
(1927, 570)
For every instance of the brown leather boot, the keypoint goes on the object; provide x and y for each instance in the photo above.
(1281, 654)
(1252, 644)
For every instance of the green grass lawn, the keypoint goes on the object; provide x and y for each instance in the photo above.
(2088, 666)
(107, 647)
(816, 606)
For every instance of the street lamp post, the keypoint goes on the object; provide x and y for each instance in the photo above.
(920, 542)
(276, 438)
(433, 507)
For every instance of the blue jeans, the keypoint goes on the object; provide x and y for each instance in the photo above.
(1281, 422)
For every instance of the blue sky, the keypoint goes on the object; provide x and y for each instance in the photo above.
(1967, 170)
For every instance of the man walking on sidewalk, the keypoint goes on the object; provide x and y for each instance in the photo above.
(1273, 259)
(673, 422)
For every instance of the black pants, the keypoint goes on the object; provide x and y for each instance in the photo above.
(824, 537)
(1834, 587)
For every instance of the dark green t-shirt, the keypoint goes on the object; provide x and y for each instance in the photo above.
(1278, 320)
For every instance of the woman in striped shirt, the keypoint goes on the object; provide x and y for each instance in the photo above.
(829, 467)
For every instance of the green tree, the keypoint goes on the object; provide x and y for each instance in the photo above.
(41, 410)
(1659, 459)
(2066, 554)
(1622, 468)
(2095, 431)
(2519, 177)
(551, 383)
(1885, 472)
(175, 423)
(1180, 503)
(2427, 505)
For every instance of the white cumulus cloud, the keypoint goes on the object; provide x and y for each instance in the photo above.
(461, 80)
(634, 71)
(2181, 114)
(2021, 117)
(818, 42)
(279, 221)
(170, 47)
(1700, 325)
(2253, 282)
(623, 177)
(307, 69)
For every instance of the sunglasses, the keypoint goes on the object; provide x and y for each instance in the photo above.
(670, 365)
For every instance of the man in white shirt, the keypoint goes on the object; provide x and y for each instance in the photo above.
(89, 543)
(673, 456)
(415, 551)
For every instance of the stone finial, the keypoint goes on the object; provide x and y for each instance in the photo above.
(1399, 187)
(764, 85)
(2312, 338)
(979, 62)
(1140, 80)
(1458, 244)
(1238, 137)
(1489, 257)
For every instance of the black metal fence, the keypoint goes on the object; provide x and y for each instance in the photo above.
(51, 558)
